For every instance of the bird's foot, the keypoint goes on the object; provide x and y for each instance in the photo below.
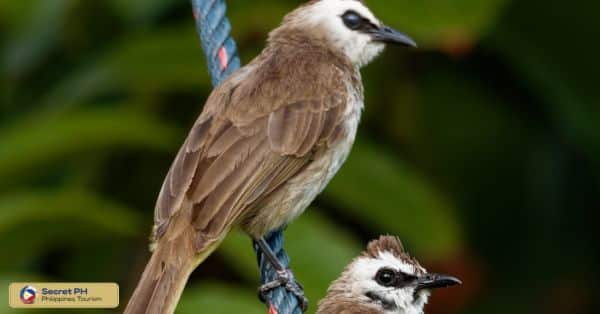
(285, 279)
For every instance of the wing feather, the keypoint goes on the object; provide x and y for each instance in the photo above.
(252, 138)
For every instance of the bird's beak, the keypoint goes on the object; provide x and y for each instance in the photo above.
(433, 281)
(387, 34)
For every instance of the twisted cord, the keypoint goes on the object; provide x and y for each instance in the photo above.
(221, 53)
(280, 299)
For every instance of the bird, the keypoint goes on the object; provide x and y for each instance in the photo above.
(267, 142)
(384, 279)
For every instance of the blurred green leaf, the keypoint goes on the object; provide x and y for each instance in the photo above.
(43, 220)
(141, 11)
(169, 59)
(218, 298)
(43, 139)
(32, 42)
(384, 193)
(12, 13)
(238, 252)
(553, 55)
(67, 206)
(477, 129)
(143, 64)
(79, 86)
(440, 23)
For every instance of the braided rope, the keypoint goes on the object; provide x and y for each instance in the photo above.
(280, 299)
(215, 36)
(221, 53)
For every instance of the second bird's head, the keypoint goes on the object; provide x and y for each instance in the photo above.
(346, 26)
(384, 279)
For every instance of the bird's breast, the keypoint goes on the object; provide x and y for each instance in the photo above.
(304, 188)
(335, 156)
(296, 195)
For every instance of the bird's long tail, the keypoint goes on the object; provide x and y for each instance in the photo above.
(164, 278)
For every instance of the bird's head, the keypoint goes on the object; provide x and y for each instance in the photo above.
(388, 280)
(346, 26)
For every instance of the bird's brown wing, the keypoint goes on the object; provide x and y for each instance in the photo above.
(251, 138)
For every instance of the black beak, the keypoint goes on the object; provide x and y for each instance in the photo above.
(433, 281)
(387, 34)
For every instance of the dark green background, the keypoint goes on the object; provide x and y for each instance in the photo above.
(481, 149)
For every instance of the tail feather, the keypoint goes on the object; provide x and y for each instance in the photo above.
(160, 287)
(145, 288)
(164, 278)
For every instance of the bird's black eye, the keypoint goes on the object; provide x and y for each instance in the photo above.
(352, 20)
(386, 277)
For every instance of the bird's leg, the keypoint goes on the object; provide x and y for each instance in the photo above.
(285, 277)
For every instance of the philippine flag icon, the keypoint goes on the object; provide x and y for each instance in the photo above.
(27, 294)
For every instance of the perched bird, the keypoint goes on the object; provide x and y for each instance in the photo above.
(384, 279)
(267, 142)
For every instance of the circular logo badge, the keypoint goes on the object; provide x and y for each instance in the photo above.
(27, 294)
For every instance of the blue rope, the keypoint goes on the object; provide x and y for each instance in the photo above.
(280, 299)
(215, 35)
(221, 53)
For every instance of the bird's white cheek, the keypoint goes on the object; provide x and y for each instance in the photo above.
(370, 52)
(423, 297)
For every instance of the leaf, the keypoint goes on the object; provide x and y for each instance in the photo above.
(169, 59)
(146, 64)
(141, 11)
(14, 14)
(387, 195)
(239, 253)
(552, 54)
(218, 298)
(22, 208)
(42, 220)
(31, 43)
(439, 24)
(44, 139)
(80, 86)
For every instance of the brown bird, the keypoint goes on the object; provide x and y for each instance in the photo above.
(267, 142)
(384, 279)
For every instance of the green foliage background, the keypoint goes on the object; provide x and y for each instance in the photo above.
(481, 150)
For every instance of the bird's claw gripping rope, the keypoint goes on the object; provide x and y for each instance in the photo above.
(272, 259)
(221, 53)
(285, 278)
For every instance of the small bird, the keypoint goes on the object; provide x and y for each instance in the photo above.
(384, 279)
(267, 142)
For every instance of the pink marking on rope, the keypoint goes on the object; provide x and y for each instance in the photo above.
(272, 309)
(195, 13)
(223, 58)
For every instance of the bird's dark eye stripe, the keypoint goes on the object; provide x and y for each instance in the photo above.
(369, 25)
(355, 21)
(388, 277)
